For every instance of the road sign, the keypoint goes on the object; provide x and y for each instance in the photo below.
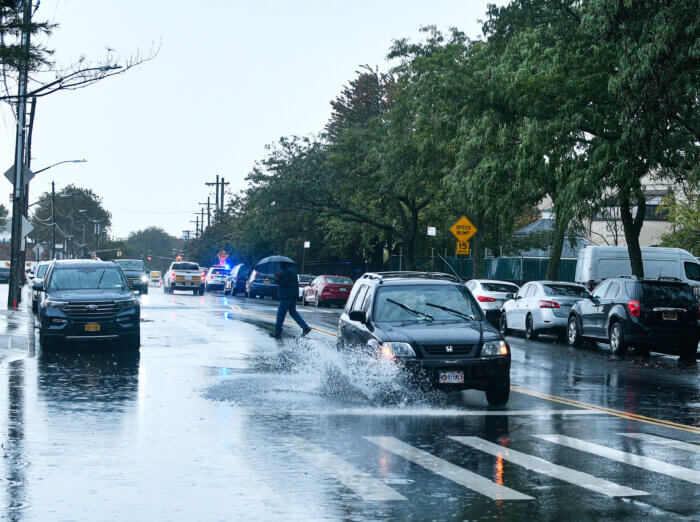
(432, 231)
(10, 174)
(26, 226)
(462, 248)
(463, 229)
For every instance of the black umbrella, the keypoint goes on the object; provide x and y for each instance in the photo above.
(276, 259)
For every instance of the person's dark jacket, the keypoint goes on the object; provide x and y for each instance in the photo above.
(288, 282)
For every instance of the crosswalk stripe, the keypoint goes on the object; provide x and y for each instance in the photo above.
(448, 470)
(539, 465)
(647, 463)
(363, 484)
(655, 439)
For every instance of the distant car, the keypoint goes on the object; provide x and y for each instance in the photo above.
(4, 274)
(135, 273)
(645, 313)
(491, 295)
(184, 275)
(431, 325)
(262, 281)
(541, 307)
(304, 281)
(328, 290)
(39, 274)
(85, 300)
(237, 279)
(216, 278)
(155, 277)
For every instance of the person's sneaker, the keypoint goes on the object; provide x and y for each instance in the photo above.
(306, 332)
(276, 335)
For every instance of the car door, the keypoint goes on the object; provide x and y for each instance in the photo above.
(589, 310)
(527, 303)
(603, 311)
(516, 315)
(363, 332)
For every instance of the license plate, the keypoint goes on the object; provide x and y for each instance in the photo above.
(92, 327)
(266, 281)
(670, 316)
(179, 278)
(343, 289)
(451, 377)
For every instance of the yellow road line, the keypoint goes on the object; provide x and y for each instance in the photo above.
(546, 396)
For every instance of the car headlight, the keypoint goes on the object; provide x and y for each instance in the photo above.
(391, 350)
(497, 348)
(144, 278)
(52, 303)
(125, 303)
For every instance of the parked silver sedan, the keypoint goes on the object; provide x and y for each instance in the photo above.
(541, 307)
(492, 294)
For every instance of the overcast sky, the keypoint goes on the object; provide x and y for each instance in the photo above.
(230, 77)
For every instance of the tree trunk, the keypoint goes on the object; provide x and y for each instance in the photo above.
(561, 224)
(633, 227)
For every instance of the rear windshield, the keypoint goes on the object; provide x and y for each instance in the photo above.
(224, 271)
(565, 290)
(185, 266)
(305, 278)
(241, 270)
(41, 270)
(499, 287)
(131, 265)
(87, 278)
(338, 281)
(653, 292)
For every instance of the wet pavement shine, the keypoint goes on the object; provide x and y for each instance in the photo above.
(216, 420)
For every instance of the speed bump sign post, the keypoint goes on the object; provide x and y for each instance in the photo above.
(462, 248)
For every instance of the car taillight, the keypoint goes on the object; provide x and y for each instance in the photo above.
(172, 276)
(549, 304)
(204, 276)
(484, 299)
(634, 309)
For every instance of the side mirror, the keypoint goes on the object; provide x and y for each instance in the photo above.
(517, 297)
(509, 296)
(37, 285)
(358, 315)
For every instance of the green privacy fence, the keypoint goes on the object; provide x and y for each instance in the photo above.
(518, 269)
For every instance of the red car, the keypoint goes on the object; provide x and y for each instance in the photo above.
(327, 289)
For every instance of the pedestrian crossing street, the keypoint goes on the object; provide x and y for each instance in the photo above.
(371, 488)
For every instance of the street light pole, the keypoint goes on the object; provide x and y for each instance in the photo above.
(53, 220)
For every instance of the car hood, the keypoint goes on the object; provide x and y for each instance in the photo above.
(437, 332)
(90, 295)
(134, 273)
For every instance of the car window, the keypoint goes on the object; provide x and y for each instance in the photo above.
(41, 270)
(499, 287)
(675, 294)
(185, 266)
(367, 300)
(420, 298)
(613, 290)
(692, 271)
(359, 298)
(565, 290)
(86, 278)
(600, 290)
(338, 280)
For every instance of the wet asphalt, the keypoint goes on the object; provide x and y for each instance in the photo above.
(216, 420)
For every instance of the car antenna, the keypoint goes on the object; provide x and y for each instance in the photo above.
(453, 270)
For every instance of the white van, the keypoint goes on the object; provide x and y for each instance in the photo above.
(596, 263)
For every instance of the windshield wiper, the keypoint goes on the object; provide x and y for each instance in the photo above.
(409, 309)
(452, 311)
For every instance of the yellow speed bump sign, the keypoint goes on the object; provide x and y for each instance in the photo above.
(462, 248)
(463, 229)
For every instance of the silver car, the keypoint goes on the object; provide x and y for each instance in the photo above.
(541, 307)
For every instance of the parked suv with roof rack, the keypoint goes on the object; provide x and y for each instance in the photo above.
(430, 324)
(658, 314)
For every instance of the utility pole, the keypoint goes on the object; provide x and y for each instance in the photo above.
(201, 221)
(14, 292)
(25, 200)
(208, 205)
(216, 183)
(97, 237)
(196, 226)
(223, 190)
(53, 220)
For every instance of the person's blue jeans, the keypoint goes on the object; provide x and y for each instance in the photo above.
(288, 305)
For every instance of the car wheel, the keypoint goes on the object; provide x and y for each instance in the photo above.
(47, 344)
(503, 324)
(617, 339)
(530, 332)
(573, 333)
(499, 394)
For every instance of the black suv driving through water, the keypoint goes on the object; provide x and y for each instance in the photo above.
(87, 301)
(644, 313)
(135, 273)
(432, 325)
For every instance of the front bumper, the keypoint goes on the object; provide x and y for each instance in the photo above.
(57, 325)
(479, 373)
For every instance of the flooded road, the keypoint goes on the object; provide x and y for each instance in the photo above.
(217, 420)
